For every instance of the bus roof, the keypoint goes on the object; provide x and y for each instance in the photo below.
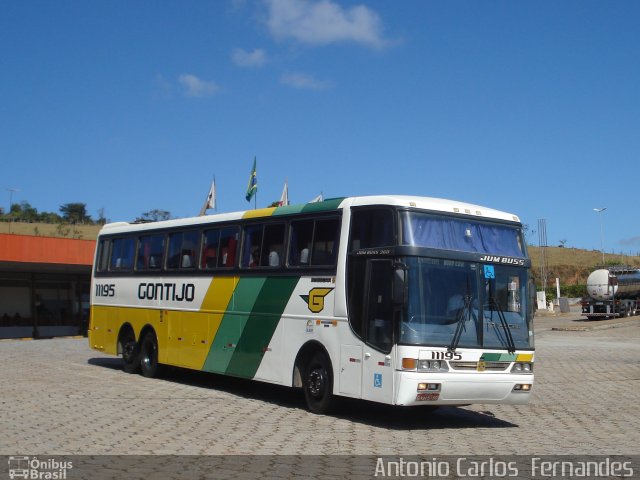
(423, 203)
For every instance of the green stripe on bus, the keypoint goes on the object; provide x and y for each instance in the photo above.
(233, 322)
(260, 327)
(287, 210)
(329, 204)
(497, 357)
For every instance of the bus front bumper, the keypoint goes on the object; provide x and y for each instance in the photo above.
(417, 388)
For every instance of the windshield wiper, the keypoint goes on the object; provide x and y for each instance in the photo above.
(495, 307)
(466, 309)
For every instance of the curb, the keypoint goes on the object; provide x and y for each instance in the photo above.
(45, 338)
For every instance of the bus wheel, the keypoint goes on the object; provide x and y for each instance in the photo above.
(149, 355)
(131, 355)
(318, 384)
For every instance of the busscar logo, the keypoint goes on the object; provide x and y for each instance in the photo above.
(315, 299)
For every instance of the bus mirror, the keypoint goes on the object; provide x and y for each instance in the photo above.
(399, 285)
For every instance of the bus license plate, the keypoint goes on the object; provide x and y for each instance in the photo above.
(427, 396)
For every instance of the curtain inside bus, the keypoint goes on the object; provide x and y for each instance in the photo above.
(423, 230)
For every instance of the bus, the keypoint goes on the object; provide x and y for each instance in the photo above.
(401, 300)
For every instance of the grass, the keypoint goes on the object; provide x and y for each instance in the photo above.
(85, 232)
(572, 266)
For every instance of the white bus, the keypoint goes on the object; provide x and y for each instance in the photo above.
(394, 299)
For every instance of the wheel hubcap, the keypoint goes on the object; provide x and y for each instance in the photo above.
(316, 383)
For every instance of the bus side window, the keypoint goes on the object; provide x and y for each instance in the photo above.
(182, 250)
(104, 248)
(228, 247)
(210, 240)
(325, 242)
(371, 228)
(122, 253)
(272, 245)
(300, 241)
(150, 250)
(251, 246)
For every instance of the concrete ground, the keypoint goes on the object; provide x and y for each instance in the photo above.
(61, 398)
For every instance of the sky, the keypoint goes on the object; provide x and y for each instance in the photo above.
(528, 107)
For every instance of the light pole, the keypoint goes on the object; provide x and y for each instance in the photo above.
(600, 210)
(11, 192)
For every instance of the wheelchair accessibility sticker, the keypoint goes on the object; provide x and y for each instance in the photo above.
(489, 271)
(377, 380)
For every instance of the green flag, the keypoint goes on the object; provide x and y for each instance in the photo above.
(252, 188)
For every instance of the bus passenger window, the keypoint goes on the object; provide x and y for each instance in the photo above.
(122, 252)
(103, 255)
(325, 242)
(228, 246)
(252, 242)
(150, 250)
(301, 238)
(272, 245)
(210, 241)
(182, 250)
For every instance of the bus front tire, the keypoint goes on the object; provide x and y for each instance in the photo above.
(318, 384)
(149, 355)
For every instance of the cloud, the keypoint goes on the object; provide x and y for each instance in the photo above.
(196, 87)
(630, 241)
(324, 22)
(242, 58)
(304, 82)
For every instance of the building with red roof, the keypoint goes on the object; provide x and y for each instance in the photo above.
(44, 285)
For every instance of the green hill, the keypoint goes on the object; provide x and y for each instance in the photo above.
(572, 266)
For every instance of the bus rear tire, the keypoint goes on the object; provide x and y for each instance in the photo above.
(130, 351)
(318, 384)
(149, 355)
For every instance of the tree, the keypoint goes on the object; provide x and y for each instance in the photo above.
(75, 213)
(155, 215)
(29, 214)
(101, 218)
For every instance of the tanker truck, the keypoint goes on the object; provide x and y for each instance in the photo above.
(613, 292)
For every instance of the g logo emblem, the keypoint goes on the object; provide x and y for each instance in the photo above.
(315, 299)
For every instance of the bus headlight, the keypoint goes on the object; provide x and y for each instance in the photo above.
(432, 366)
(522, 387)
(522, 367)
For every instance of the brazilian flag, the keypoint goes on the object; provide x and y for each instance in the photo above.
(252, 188)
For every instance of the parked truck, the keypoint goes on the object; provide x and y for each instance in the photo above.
(613, 292)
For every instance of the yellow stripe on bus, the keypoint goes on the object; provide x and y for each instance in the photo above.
(216, 302)
(524, 357)
(260, 212)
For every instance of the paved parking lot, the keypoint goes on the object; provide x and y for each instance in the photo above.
(59, 397)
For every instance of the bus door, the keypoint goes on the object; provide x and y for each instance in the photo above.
(377, 369)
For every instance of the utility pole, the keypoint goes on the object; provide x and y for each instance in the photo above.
(11, 192)
(599, 211)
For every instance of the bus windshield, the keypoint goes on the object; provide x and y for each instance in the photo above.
(466, 304)
(425, 230)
